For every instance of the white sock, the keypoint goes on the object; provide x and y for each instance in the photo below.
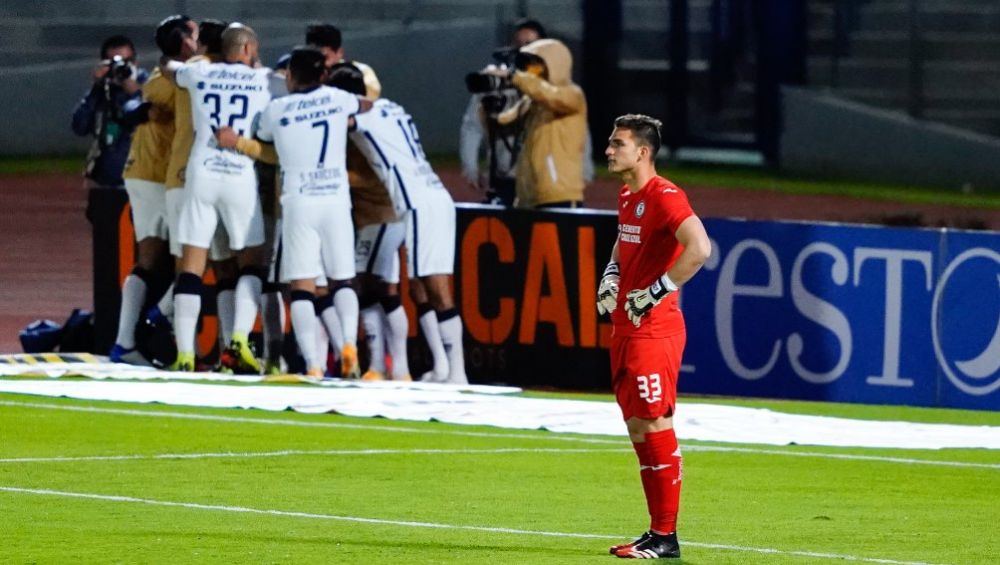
(451, 336)
(398, 330)
(187, 307)
(345, 300)
(133, 297)
(273, 314)
(248, 291)
(166, 303)
(225, 307)
(371, 317)
(331, 322)
(304, 323)
(432, 333)
(322, 339)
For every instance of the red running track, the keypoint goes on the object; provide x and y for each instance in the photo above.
(46, 256)
(45, 252)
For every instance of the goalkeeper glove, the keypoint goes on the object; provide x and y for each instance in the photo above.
(607, 292)
(639, 302)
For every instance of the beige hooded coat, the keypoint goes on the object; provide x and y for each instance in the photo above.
(550, 166)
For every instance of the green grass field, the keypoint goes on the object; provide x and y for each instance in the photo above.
(127, 483)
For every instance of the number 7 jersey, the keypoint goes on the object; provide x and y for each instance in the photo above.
(222, 94)
(309, 131)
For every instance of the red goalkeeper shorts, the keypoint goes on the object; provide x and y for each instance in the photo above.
(644, 374)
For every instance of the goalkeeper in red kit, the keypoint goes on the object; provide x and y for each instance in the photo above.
(661, 244)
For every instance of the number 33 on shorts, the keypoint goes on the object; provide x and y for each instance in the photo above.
(650, 388)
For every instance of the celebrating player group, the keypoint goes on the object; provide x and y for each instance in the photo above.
(304, 182)
(353, 189)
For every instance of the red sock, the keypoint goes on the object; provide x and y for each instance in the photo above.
(660, 469)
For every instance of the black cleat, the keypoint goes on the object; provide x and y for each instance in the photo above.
(626, 547)
(654, 546)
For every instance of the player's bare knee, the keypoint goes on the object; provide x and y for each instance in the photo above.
(441, 303)
(151, 252)
(338, 285)
(146, 261)
(439, 292)
(370, 285)
(639, 427)
(194, 260)
(251, 257)
(417, 291)
(305, 285)
(225, 269)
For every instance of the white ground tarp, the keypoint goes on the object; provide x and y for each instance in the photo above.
(102, 369)
(694, 421)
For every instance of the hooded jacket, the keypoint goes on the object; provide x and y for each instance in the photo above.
(550, 166)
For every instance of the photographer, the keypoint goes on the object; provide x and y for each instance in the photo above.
(479, 125)
(108, 111)
(550, 167)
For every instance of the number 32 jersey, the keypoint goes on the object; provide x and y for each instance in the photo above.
(309, 131)
(222, 94)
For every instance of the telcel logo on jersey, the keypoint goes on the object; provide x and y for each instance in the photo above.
(227, 74)
(307, 103)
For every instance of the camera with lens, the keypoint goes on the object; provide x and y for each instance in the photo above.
(119, 69)
(482, 82)
(508, 57)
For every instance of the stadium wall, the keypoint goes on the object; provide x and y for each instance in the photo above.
(823, 134)
(813, 311)
(421, 66)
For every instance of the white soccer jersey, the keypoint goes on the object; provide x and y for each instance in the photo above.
(388, 138)
(309, 132)
(222, 94)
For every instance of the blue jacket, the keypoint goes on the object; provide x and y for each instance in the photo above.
(110, 117)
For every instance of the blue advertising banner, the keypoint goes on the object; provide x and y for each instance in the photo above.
(811, 311)
(965, 318)
(844, 313)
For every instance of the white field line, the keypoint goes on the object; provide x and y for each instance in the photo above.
(435, 525)
(298, 452)
(551, 436)
(848, 456)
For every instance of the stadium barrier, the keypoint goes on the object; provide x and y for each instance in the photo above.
(782, 309)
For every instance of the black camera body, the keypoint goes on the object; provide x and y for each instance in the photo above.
(482, 83)
(119, 69)
(505, 58)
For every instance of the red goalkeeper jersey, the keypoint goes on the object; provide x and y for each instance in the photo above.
(648, 248)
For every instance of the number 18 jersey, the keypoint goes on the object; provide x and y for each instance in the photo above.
(222, 94)
(388, 138)
(309, 131)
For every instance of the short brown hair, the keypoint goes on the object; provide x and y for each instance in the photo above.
(645, 129)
